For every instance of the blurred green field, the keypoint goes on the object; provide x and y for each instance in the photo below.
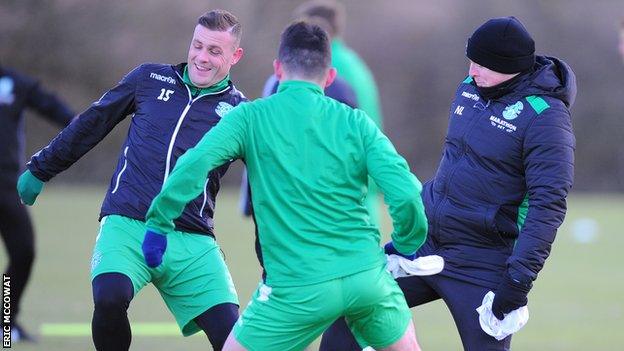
(577, 303)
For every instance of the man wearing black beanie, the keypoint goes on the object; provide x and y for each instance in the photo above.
(499, 194)
(502, 45)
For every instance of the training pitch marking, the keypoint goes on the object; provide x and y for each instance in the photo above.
(84, 329)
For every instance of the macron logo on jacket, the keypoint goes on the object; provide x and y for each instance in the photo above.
(470, 96)
(161, 78)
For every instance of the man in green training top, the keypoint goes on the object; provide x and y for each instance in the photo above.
(352, 68)
(308, 158)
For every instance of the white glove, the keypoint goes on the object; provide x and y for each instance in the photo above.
(402, 267)
(512, 322)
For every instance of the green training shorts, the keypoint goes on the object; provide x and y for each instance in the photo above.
(290, 318)
(192, 277)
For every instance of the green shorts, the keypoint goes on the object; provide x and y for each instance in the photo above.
(290, 318)
(192, 278)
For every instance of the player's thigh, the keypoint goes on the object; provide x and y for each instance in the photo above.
(462, 299)
(194, 279)
(15, 224)
(118, 250)
(288, 318)
(376, 312)
(417, 290)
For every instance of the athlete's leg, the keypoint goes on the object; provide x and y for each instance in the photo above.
(118, 273)
(462, 298)
(197, 287)
(231, 344)
(17, 234)
(217, 323)
(418, 290)
(338, 337)
(112, 293)
(407, 342)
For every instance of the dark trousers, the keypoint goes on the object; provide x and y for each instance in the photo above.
(18, 237)
(461, 298)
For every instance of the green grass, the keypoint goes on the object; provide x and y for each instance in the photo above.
(577, 303)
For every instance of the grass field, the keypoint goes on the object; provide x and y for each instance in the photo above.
(577, 303)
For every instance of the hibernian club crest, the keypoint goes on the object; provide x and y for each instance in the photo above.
(512, 111)
(223, 108)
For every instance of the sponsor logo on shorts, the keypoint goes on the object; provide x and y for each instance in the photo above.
(264, 293)
(95, 260)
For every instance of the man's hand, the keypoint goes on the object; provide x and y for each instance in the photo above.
(154, 246)
(389, 249)
(511, 294)
(29, 187)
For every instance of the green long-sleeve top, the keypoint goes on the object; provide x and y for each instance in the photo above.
(354, 70)
(308, 158)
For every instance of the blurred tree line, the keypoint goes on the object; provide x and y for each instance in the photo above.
(415, 48)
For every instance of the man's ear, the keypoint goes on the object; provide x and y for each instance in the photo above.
(331, 76)
(238, 54)
(278, 69)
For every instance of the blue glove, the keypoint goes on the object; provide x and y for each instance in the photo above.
(389, 249)
(29, 187)
(511, 294)
(154, 246)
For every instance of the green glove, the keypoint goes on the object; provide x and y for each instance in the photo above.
(29, 187)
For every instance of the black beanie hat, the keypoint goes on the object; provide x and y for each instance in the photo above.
(502, 45)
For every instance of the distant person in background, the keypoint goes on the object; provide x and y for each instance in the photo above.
(351, 68)
(339, 90)
(499, 194)
(18, 93)
(621, 41)
(172, 108)
(309, 158)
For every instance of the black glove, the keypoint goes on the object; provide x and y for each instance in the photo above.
(511, 294)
